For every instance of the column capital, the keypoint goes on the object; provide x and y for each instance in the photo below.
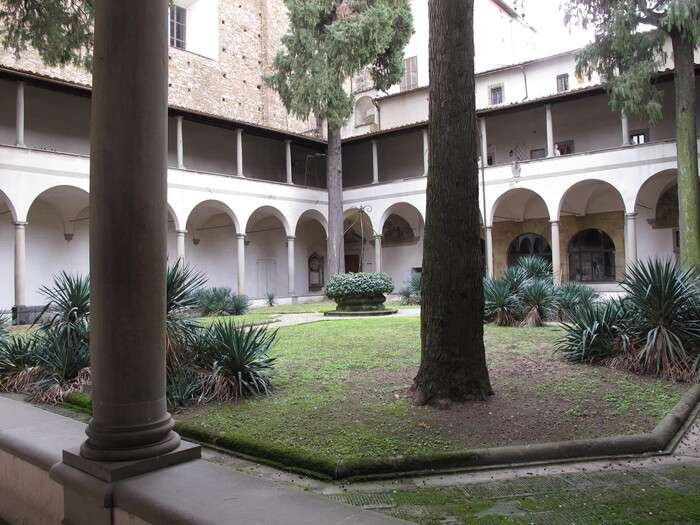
(241, 236)
(378, 237)
(20, 223)
(287, 141)
(488, 228)
(291, 238)
(181, 232)
(631, 215)
(554, 222)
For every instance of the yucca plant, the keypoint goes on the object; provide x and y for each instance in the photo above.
(68, 300)
(235, 357)
(183, 386)
(665, 325)
(62, 361)
(594, 331)
(501, 305)
(539, 301)
(270, 298)
(214, 301)
(536, 267)
(572, 295)
(18, 360)
(4, 327)
(183, 286)
(515, 277)
(240, 304)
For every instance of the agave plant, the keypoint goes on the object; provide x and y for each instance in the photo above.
(240, 304)
(501, 305)
(572, 295)
(183, 286)
(236, 360)
(665, 325)
(536, 267)
(214, 301)
(515, 277)
(68, 300)
(62, 361)
(594, 331)
(18, 360)
(270, 298)
(4, 327)
(539, 301)
(183, 386)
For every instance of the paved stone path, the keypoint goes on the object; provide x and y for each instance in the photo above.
(281, 320)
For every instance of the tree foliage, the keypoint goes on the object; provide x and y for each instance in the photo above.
(60, 30)
(329, 41)
(628, 50)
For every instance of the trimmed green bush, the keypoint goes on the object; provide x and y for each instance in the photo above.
(366, 284)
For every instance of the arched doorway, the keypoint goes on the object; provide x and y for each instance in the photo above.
(528, 244)
(591, 257)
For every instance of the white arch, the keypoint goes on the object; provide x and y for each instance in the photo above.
(217, 205)
(271, 210)
(514, 191)
(348, 212)
(5, 199)
(314, 214)
(589, 194)
(392, 209)
(24, 206)
(655, 185)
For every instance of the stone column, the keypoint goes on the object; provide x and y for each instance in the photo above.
(128, 244)
(20, 114)
(291, 272)
(489, 251)
(631, 239)
(426, 152)
(375, 163)
(180, 144)
(484, 142)
(550, 131)
(624, 122)
(20, 263)
(239, 152)
(180, 234)
(240, 240)
(288, 156)
(377, 253)
(556, 253)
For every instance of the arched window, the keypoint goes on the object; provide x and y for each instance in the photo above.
(528, 244)
(365, 112)
(591, 256)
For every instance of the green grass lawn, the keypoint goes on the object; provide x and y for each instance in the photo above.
(341, 394)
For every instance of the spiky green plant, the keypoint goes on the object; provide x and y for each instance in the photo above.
(236, 358)
(539, 301)
(183, 285)
(411, 291)
(515, 277)
(536, 267)
(4, 327)
(240, 304)
(270, 298)
(68, 300)
(665, 325)
(501, 305)
(594, 331)
(18, 360)
(183, 386)
(63, 361)
(214, 301)
(572, 295)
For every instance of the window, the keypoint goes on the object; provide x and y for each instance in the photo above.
(528, 244)
(565, 147)
(365, 112)
(178, 27)
(490, 156)
(496, 95)
(410, 74)
(538, 153)
(639, 136)
(591, 256)
(562, 83)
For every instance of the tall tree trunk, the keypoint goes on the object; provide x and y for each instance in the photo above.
(453, 362)
(687, 148)
(334, 177)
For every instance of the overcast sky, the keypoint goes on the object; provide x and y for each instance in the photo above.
(554, 36)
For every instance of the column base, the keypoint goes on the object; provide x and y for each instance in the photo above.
(112, 471)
